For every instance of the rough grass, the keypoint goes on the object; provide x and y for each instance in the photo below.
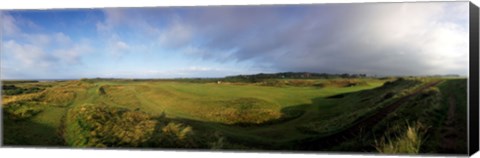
(106, 126)
(103, 126)
(408, 141)
(430, 107)
(355, 106)
(242, 110)
(207, 115)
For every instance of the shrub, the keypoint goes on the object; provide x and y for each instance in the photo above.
(101, 90)
(175, 135)
(14, 90)
(21, 111)
(105, 126)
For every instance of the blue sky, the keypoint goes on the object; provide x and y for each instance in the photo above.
(216, 41)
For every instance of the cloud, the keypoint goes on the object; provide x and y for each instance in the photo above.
(176, 35)
(26, 55)
(62, 39)
(71, 55)
(8, 24)
(39, 55)
(184, 72)
(373, 38)
(116, 46)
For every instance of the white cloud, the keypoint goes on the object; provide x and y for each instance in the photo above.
(62, 39)
(116, 46)
(426, 31)
(38, 55)
(71, 55)
(120, 45)
(26, 55)
(8, 24)
(186, 72)
(177, 35)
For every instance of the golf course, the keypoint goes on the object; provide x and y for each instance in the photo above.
(357, 114)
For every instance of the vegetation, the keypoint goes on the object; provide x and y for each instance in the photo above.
(104, 126)
(408, 142)
(281, 111)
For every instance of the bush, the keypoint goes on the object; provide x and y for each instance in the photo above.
(175, 135)
(21, 111)
(104, 126)
(14, 90)
(101, 91)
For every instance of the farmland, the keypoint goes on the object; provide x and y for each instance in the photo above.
(339, 114)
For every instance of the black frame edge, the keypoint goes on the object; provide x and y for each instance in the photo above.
(473, 80)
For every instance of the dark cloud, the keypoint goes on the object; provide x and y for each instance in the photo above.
(383, 38)
(372, 38)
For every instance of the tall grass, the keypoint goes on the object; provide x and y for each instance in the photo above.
(408, 142)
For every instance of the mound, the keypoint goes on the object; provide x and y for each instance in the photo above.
(121, 95)
(243, 110)
(105, 126)
(365, 102)
(345, 83)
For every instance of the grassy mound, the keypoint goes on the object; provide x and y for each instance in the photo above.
(121, 95)
(33, 97)
(344, 83)
(356, 106)
(104, 126)
(243, 110)
(21, 111)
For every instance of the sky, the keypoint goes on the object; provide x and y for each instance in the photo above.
(216, 41)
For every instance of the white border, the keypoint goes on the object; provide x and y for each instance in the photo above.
(74, 153)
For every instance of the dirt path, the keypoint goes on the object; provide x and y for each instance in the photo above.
(448, 132)
(367, 123)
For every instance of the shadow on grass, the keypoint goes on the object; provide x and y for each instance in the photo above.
(234, 135)
(29, 133)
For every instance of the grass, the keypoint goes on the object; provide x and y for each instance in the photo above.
(430, 107)
(407, 142)
(227, 115)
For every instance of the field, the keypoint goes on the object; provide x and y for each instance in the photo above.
(387, 115)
